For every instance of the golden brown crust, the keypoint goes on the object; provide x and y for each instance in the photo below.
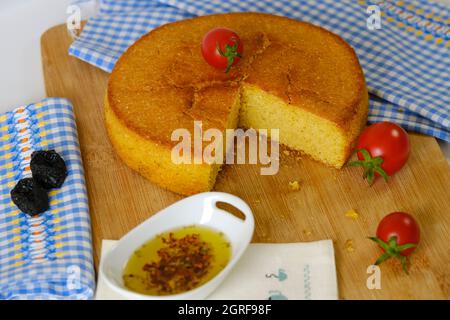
(153, 161)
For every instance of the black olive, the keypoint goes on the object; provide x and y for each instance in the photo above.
(48, 168)
(30, 197)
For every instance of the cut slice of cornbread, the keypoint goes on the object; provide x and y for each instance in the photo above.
(295, 77)
(319, 137)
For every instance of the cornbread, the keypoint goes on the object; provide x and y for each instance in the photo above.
(352, 214)
(349, 245)
(294, 185)
(294, 76)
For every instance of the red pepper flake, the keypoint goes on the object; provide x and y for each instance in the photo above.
(181, 266)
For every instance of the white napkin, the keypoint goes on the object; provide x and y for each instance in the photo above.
(294, 271)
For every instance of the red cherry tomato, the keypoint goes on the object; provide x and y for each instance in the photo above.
(222, 48)
(398, 235)
(383, 149)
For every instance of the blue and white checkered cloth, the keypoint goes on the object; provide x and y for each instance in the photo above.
(406, 62)
(48, 256)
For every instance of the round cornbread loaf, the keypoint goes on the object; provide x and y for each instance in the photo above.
(293, 76)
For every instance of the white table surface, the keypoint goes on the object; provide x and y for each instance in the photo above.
(21, 24)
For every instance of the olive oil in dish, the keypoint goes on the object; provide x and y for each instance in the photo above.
(177, 261)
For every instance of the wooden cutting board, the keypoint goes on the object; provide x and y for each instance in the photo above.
(120, 198)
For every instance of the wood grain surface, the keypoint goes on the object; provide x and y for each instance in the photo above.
(120, 198)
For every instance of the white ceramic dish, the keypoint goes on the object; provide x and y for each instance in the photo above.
(199, 209)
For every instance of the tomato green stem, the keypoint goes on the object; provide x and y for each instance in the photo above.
(230, 53)
(392, 250)
(370, 165)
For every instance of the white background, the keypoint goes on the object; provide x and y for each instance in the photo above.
(21, 24)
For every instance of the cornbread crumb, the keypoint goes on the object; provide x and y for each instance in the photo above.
(349, 245)
(286, 152)
(352, 214)
(294, 185)
(307, 232)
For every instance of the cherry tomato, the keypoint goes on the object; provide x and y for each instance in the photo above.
(222, 48)
(383, 149)
(398, 235)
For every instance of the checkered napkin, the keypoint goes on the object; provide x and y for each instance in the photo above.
(406, 62)
(48, 256)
